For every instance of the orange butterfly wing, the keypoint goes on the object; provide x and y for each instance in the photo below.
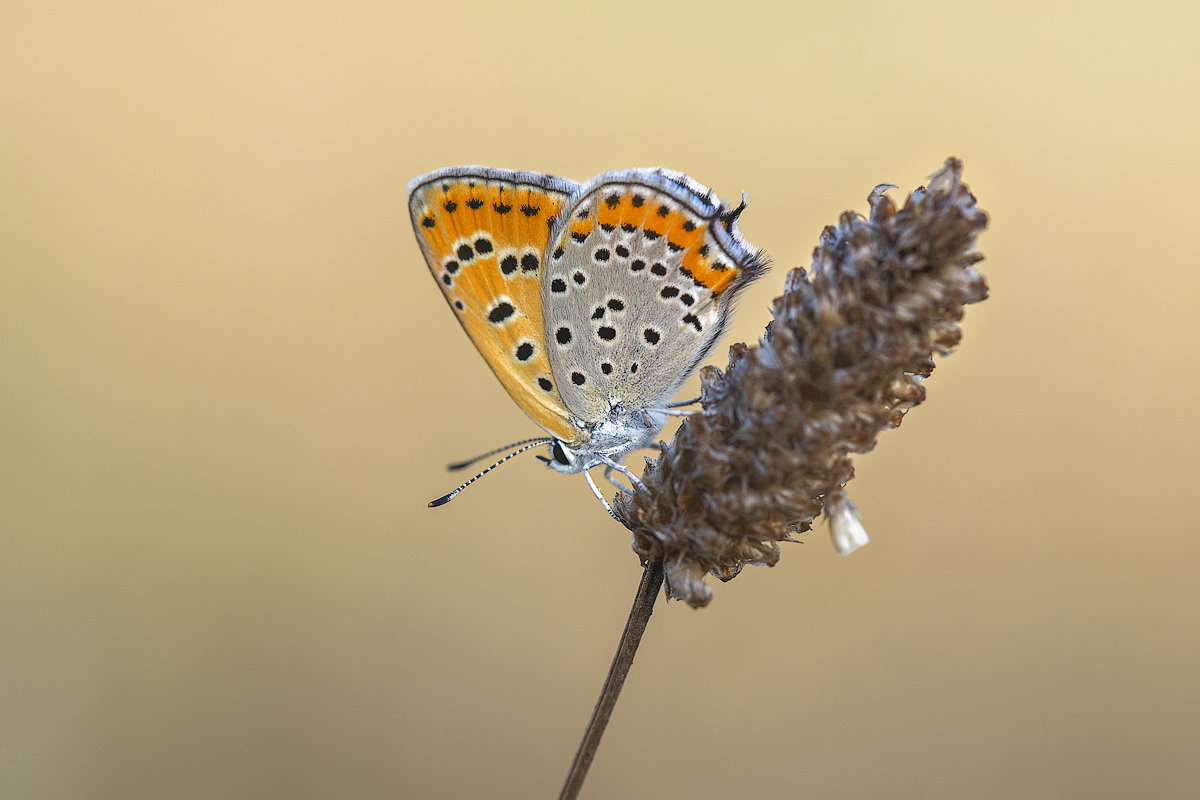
(484, 233)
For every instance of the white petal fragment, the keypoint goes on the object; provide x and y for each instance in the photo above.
(845, 528)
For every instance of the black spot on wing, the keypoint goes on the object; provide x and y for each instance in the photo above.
(500, 312)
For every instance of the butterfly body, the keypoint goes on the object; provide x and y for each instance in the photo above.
(609, 440)
(591, 302)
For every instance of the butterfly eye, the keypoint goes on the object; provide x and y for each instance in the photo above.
(560, 455)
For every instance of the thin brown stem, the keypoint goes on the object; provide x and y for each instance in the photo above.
(635, 626)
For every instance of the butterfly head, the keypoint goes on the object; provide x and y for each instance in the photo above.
(562, 458)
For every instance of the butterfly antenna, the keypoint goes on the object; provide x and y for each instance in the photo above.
(457, 465)
(446, 498)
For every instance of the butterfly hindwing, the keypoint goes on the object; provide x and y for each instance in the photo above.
(642, 270)
(484, 234)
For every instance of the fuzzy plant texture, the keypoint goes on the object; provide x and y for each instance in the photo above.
(844, 358)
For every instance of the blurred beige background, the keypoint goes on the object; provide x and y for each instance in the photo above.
(229, 388)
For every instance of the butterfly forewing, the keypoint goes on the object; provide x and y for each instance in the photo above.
(641, 273)
(484, 234)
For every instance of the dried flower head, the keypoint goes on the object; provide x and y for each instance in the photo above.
(843, 359)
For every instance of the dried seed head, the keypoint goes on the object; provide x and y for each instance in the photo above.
(843, 359)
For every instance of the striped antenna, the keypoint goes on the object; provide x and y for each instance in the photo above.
(457, 465)
(446, 498)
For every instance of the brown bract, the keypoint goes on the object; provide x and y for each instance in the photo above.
(843, 359)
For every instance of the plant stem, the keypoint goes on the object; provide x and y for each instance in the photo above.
(635, 626)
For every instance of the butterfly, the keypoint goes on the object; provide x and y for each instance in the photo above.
(591, 302)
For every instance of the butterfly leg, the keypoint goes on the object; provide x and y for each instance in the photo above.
(621, 468)
(596, 489)
(608, 471)
(670, 408)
